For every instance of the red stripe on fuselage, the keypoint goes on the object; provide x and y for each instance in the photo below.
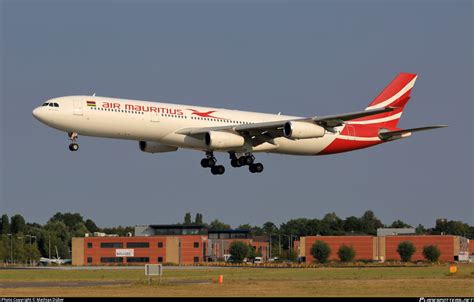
(342, 145)
(353, 131)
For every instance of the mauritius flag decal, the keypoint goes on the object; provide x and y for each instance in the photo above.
(91, 103)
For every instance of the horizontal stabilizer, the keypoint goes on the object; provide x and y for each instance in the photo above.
(387, 135)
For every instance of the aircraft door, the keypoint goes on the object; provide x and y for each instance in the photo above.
(350, 132)
(77, 107)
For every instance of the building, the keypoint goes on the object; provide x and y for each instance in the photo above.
(363, 245)
(169, 229)
(179, 244)
(219, 243)
(395, 231)
(381, 248)
(449, 246)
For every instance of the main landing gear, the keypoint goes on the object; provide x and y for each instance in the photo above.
(210, 162)
(246, 160)
(74, 146)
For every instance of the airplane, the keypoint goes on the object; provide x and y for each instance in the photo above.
(164, 127)
(57, 260)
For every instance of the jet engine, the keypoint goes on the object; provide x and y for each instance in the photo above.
(152, 147)
(301, 130)
(223, 140)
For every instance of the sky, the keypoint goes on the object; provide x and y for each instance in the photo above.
(301, 58)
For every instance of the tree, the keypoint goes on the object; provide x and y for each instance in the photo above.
(239, 251)
(18, 224)
(420, 229)
(217, 225)
(398, 224)
(451, 227)
(198, 220)
(431, 253)
(331, 224)
(32, 252)
(320, 251)
(246, 227)
(69, 219)
(120, 230)
(252, 252)
(91, 226)
(457, 228)
(370, 223)
(406, 249)
(269, 228)
(5, 224)
(79, 230)
(4, 254)
(346, 253)
(187, 219)
(60, 237)
(351, 224)
(300, 227)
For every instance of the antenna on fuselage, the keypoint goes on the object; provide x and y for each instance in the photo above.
(93, 94)
(279, 113)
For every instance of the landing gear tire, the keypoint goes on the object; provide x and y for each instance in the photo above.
(208, 162)
(218, 170)
(256, 168)
(246, 160)
(235, 163)
(73, 147)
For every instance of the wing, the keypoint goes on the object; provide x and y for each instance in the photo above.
(265, 131)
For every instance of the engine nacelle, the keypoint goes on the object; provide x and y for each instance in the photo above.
(223, 140)
(301, 130)
(152, 147)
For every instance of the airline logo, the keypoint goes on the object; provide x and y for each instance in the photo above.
(205, 114)
(142, 108)
(91, 103)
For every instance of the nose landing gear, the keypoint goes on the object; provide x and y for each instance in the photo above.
(74, 146)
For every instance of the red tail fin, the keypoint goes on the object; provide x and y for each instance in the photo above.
(396, 95)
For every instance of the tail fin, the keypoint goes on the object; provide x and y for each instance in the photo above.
(395, 95)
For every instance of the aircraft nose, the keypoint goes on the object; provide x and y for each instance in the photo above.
(36, 112)
(39, 114)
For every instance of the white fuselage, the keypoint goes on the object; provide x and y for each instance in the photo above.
(160, 122)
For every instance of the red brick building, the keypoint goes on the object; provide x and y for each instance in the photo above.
(385, 247)
(161, 244)
(138, 250)
(363, 245)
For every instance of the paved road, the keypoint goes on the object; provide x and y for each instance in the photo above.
(21, 284)
(73, 268)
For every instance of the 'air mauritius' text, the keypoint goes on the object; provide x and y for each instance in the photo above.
(131, 107)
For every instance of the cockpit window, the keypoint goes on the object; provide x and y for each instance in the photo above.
(56, 105)
(45, 104)
(51, 105)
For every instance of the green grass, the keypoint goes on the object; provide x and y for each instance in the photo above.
(359, 273)
(359, 281)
